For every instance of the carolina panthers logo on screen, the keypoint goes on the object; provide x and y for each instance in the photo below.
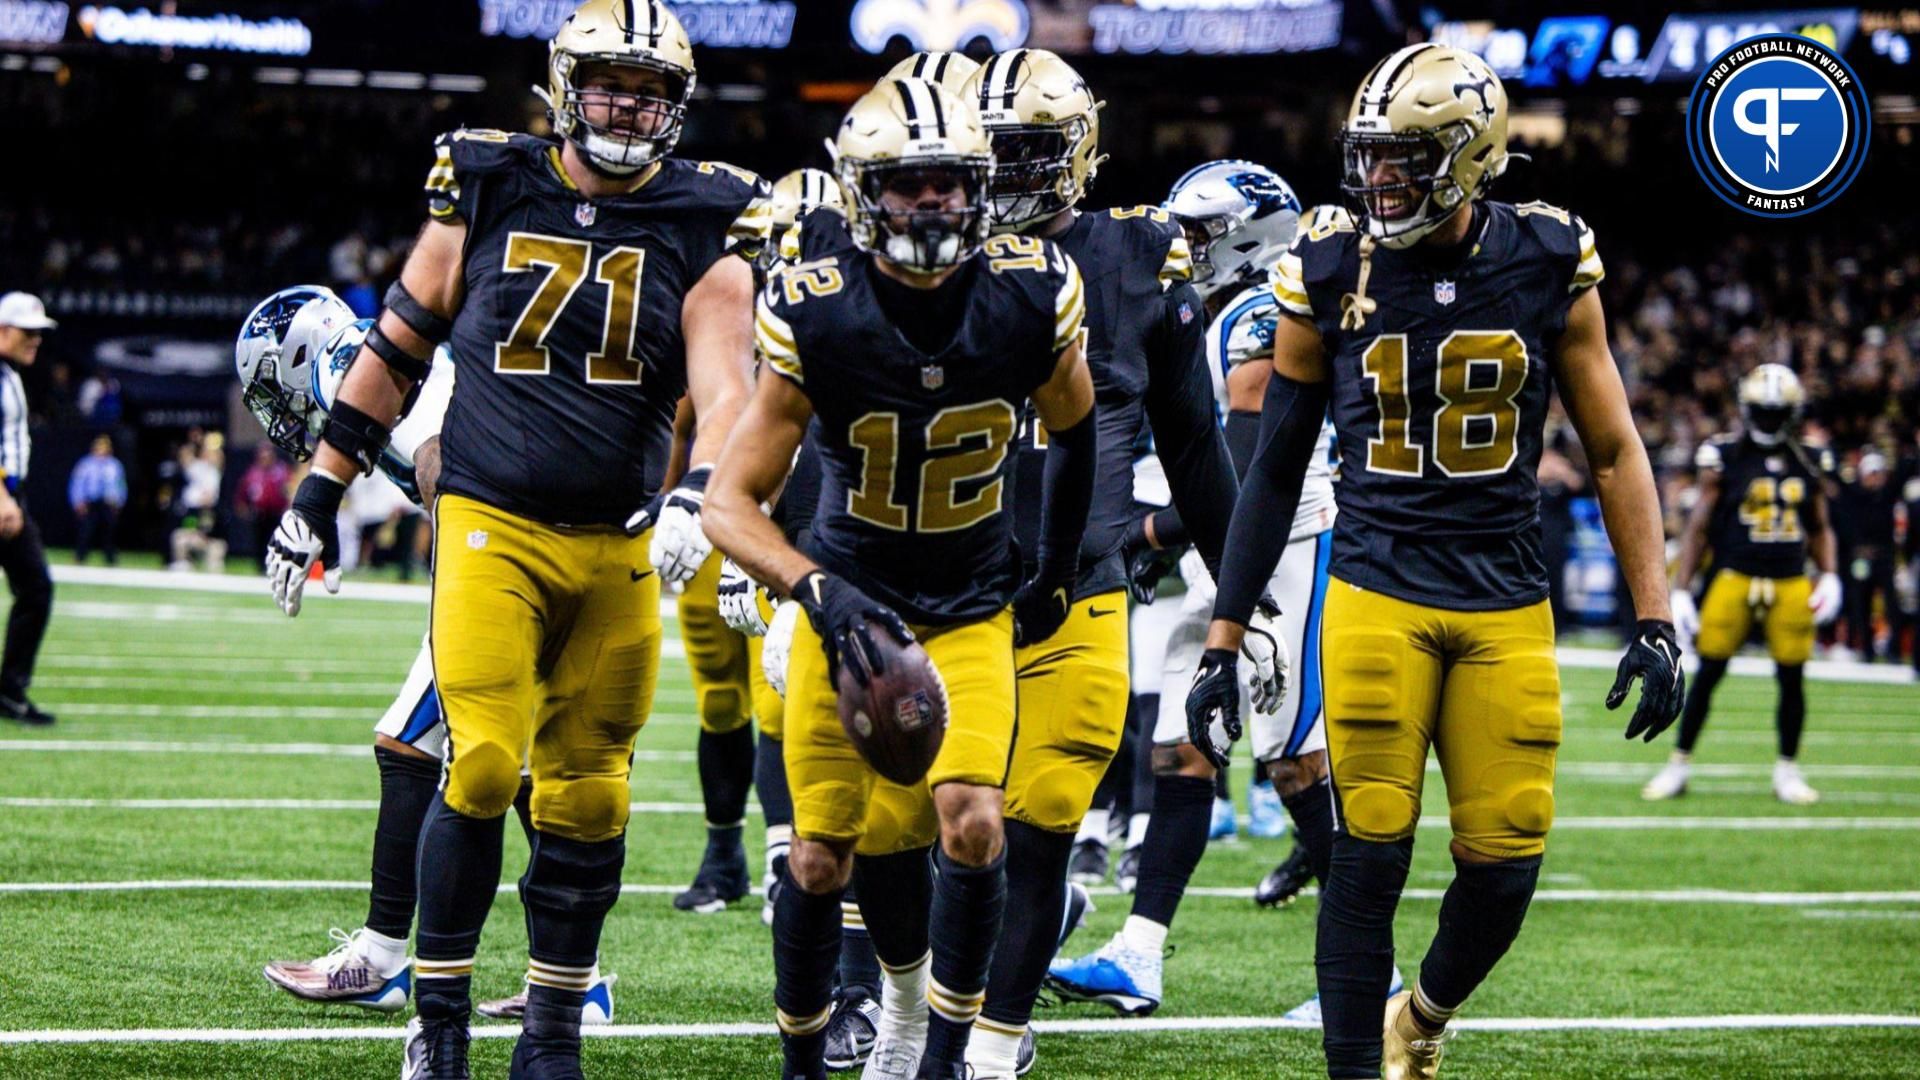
(1778, 125)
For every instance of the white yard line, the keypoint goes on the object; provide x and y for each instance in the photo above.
(32, 803)
(1147, 1026)
(233, 746)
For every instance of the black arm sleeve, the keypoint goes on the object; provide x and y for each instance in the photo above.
(1185, 432)
(1066, 497)
(1290, 422)
(1243, 434)
(801, 496)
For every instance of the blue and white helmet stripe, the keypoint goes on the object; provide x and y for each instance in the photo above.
(1239, 216)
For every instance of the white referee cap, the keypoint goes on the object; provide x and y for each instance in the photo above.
(25, 311)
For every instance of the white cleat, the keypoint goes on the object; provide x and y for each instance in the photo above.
(896, 1056)
(1668, 783)
(1790, 787)
(348, 975)
(596, 1011)
(1308, 1011)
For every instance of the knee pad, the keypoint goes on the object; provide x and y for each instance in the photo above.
(899, 819)
(1510, 823)
(588, 809)
(1378, 812)
(723, 707)
(482, 780)
(570, 877)
(1056, 798)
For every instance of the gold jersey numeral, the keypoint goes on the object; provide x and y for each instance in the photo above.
(1771, 510)
(980, 432)
(1478, 378)
(563, 263)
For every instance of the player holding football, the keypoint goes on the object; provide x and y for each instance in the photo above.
(1762, 510)
(1145, 325)
(915, 351)
(603, 289)
(1435, 326)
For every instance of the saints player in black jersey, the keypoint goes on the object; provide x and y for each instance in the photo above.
(1762, 511)
(583, 286)
(915, 351)
(1436, 326)
(1145, 342)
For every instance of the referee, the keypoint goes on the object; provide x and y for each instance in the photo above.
(23, 323)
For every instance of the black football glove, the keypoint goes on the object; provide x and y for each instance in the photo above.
(1146, 564)
(1039, 608)
(1213, 706)
(308, 532)
(839, 611)
(1653, 658)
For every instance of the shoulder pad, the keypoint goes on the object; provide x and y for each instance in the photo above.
(1313, 257)
(1150, 232)
(745, 198)
(1709, 456)
(1565, 236)
(461, 155)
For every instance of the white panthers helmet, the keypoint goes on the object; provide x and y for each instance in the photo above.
(1239, 218)
(273, 356)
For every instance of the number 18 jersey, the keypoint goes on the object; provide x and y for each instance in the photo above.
(1439, 396)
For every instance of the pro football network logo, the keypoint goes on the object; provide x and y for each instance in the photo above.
(1778, 125)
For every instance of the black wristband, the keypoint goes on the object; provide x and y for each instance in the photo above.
(430, 326)
(318, 494)
(356, 435)
(695, 479)
(403, 363)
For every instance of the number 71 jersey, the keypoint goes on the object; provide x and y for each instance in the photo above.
(1441, 380)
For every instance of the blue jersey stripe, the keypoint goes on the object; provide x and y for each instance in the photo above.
(426, 713)
(1227, 321)
(1311, 690)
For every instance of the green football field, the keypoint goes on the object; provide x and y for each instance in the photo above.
(206, 804)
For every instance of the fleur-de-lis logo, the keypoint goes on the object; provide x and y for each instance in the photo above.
(933, 25)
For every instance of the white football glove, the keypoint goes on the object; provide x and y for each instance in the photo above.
(308, 533)
(1266, 675)
(1686, 617)
(1825, 600)
(1200, 588)
(778, 645)
(744, 604)
(679, 547)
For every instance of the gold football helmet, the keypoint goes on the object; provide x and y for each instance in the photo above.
(949, 69)
(1426, 134)
(794, 196)
(915, 165)
(1045, 125)
(640, 127)
(1771, 399)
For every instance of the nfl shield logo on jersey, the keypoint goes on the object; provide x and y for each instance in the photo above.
(584, 215)
(1443, 293)
(933, 376)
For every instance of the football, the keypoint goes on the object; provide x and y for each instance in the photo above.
(893, 704)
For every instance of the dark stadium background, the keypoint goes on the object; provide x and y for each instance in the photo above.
(152, 195)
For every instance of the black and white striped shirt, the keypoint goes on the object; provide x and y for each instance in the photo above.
(15, 445)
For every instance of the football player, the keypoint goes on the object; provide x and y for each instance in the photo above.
(1144, 341)
(915, 350)
(1435, 323)
(292, 352)
(1762, 510)
(605, 286)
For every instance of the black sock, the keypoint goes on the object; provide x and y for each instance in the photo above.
(1176, 838)
(1791, 717)
(806, 942)
(723, 845)
(407, 784)
(1146, 714)
(1353, 950)
(1699, 700)
(897, 891)
(968, 902)
(770, 780)
(567, 890)
(726, 772)
(1479, 918)
(1259, 772)
(1030, 934)
(458, 869)
(859, 964)
(1312, 812)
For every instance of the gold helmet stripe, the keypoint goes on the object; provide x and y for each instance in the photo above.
(1379, 86)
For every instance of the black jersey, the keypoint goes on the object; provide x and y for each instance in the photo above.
(913, 447)
(1758, 526)
(1440, 396)
(1128, 258)
(569, 342)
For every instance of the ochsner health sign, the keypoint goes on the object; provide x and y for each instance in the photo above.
(226, 33)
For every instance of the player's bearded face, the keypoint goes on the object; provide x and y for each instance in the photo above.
(1391, 176)
(626, 102)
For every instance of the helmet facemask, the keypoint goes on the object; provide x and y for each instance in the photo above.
(284, 413)
(923, 214)
(1402, 183)
(1768, 424)
(1033, 171)
(620, 125)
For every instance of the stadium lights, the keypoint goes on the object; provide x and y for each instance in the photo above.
(348, 78)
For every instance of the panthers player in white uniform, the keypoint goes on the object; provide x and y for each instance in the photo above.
(291, 355)
(1239, 218)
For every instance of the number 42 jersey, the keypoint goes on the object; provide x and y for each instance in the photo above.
(569, 339)
(1440, 382)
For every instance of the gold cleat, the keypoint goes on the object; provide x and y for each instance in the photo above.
(1402, 1058)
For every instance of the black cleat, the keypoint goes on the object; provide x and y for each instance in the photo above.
(436, 1050)
(1088, 866)
(1023, 1061)
(1127, 873)
(718, 884)
(21, 710)
(1284, 882)
(850, 1032)
(549, 1044)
